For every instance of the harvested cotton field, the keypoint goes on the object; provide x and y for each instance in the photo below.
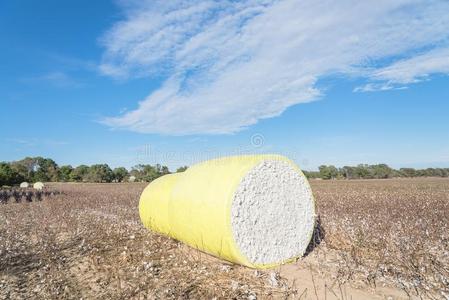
(376, 238)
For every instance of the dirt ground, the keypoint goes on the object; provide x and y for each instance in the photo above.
(379, 239)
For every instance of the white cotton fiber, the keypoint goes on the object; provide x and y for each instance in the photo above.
(38, 185)
(273, 213)
(24, 185)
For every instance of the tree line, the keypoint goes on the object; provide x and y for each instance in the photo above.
(379, 171)
(33, 169)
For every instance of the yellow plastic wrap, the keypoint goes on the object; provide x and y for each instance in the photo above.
(195, 206)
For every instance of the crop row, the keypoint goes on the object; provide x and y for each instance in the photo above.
(25, 195)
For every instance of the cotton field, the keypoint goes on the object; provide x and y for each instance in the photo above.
(374, 239)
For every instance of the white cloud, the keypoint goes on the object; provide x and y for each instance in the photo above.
(410, 70)
(416, 68)
(229, 64)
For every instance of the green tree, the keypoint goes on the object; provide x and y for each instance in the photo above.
(136, 173)
(100, 173)
(408, 172)
(328, 172)
(348, 172)
(25, 167)
(79, 173)
(8, 176)
(148, 172)
(181, 169)
(445, 172)
(161, 170)
(65, 173)
(120, 174)
(46, 169)
(363, 171)
(381, 171)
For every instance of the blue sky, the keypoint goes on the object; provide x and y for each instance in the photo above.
(128, 82)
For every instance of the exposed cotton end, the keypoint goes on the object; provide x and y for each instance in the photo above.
(24, 185)
(273, 213)
(38, 185)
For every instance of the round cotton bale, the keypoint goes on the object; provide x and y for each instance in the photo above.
(38, 185)
(255, 210)
(132, 178)
(24, 185)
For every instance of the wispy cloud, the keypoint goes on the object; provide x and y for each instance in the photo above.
(411, 70)
(71, 63)
(229, 64)
(379, 86)
(34, 142)
(56, 79)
